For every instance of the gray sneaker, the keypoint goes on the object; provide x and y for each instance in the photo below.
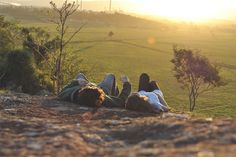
(81, 76)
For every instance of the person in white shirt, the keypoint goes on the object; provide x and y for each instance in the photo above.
(149, 97)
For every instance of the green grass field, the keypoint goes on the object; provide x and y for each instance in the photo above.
(129, 52)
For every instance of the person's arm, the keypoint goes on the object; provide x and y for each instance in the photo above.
(69, 90)
(161, 97)
(163, 102)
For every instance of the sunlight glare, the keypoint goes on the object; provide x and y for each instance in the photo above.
(190, 10)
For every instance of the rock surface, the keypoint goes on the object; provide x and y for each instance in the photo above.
(44, 126)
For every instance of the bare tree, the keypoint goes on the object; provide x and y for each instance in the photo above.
(62, 15)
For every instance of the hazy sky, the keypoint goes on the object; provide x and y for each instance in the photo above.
(179, 9)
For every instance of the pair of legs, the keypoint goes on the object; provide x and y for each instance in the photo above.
(108, 85)
(146, 85)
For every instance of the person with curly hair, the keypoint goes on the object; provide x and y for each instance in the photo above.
(106, 93)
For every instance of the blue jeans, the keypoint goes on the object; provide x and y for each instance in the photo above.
(108, 85)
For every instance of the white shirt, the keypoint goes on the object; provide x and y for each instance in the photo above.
(153, 99)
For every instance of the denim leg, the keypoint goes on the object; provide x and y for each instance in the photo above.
(108, 85)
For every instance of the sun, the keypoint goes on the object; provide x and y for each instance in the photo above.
(189, 10)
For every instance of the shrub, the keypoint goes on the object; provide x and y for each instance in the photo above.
(21, 72)
(8, 35)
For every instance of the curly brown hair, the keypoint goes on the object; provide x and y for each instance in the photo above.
(91, 97)
(139, 103)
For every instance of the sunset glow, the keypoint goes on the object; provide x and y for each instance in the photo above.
(190, 10)
(186, 10)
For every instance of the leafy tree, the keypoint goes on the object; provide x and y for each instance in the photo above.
(40, 43)
(43, 47)
(195, 73)
(8, 34)
(62, 15)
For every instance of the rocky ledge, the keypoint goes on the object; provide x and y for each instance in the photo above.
(44, 126)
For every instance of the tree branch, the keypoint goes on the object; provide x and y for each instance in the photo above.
(72, 36)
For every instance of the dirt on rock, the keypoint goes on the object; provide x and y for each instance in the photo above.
(44, 126)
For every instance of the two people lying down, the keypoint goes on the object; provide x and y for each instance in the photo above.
(148, 98)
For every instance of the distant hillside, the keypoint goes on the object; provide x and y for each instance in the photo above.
(32, 14)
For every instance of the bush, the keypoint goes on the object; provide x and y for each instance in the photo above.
(8, 35)
(2, 67)
(21, 72)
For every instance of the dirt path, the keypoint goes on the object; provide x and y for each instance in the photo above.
(44, 126)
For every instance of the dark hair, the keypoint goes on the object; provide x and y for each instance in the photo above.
(137, 103)
(91, 97)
